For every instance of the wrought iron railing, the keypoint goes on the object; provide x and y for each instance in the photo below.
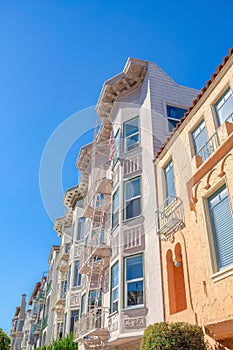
(209, 147)
(170, 216)
(91, 321)
(97, 238)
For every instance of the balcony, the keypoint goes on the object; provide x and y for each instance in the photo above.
(170, 217)
(90, 328)
(97, 206)
(104, 182)
(44, 322)
(38, 327)
(58, 300)
(63, 257)
(209, 147)
(96, 250)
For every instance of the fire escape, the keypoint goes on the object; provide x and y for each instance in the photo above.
(91, 329)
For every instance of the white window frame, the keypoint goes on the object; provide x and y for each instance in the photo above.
(113, 289)
(83, 304)
(131, 199)
(116, 209)
(117, 151)
(223, 99)
(133, 281)
(170, 163)
(129, 136)
(81, 223)
(79, 276)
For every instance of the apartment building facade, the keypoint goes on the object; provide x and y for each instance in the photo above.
(16, 332)
(141, 241)
(194, 216)
(108, 230)
(38, 327)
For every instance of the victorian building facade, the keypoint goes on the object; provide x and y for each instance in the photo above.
(109, 225)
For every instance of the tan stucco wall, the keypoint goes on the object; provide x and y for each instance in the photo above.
(208, 292)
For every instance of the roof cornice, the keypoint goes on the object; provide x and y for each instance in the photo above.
(123, 84)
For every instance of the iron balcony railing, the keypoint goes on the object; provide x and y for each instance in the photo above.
(37, 328)
(95, 246)
(209, 147)
(58, 298)
(92, 323)
(63, 256)
(170, 216)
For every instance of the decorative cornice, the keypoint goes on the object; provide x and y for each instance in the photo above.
(123, 84)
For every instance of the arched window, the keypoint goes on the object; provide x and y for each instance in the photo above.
(176, 285)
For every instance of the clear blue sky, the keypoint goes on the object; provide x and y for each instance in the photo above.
(55, 56)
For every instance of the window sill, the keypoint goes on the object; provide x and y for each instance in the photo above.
(114, 229)
(128, 308)
(113, 313)
(220, 275)
(131, 219)
(126, 153)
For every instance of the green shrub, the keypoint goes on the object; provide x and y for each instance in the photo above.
(171, 336)
(66, 343)
(4, 340)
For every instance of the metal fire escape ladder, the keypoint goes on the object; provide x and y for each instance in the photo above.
(96, 263)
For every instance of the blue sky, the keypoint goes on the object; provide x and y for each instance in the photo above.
(55, 56)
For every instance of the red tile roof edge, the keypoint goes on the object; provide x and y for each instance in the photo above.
(203, 90)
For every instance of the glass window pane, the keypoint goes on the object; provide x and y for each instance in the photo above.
(135, 293)
(115, 294)
(81, 228)
(132, 188)
(132, 142)
(77, 276)
(131, 127)
(224, 106)
(199, 136)
(170, 182)
(115, 204)
(134, 268)
(115, 306)
(175, 112)
(115, 272)
(83, 303)
(117, 145)
(172, 124)
(133, 208)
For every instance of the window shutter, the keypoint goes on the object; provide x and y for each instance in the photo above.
(222, 222)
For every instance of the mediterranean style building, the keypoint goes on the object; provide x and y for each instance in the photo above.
(147, 232)
(194, 216)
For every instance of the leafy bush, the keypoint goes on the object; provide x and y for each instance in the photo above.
(171, 336)
(66, 343)
(4, 341)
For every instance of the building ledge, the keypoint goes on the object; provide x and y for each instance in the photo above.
(220, 275)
